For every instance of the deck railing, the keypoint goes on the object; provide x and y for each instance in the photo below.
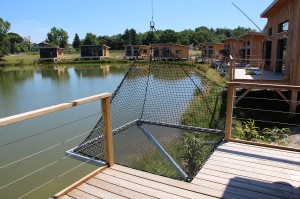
(258, 70)
(272, 109)
(30, 163)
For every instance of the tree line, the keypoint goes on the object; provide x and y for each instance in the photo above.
(57, 37)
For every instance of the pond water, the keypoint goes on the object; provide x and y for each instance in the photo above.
(33, 164)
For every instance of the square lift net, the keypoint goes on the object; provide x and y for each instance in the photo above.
(166, 120)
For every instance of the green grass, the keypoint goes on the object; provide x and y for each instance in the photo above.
(19, 59)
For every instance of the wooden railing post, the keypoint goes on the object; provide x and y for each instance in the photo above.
(107, 128)
(229, 111)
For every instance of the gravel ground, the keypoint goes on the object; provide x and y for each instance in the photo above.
(294, 138)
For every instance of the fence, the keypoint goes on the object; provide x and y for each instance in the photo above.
(32, 163)
(267, 114)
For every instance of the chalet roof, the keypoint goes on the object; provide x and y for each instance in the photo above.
(51, 48)
(253, 34)
(213, 43)
(94, 46)
(233, 38)
(137, 45)
(173, 44)
(274, 7)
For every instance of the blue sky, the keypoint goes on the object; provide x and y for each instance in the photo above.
(35, 18)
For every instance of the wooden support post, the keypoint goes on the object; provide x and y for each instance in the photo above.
(107, 128)
(294, 101)
(229, 111)
(231, 69)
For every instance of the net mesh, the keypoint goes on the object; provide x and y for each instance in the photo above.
(182, 110)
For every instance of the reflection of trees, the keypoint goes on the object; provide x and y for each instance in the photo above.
(168, 72)
(56, 73)
(98, 71)
(9, 78)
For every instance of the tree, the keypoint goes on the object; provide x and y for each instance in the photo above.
(14, 42)
(149, 38)
(90, 39)
(129, 37)
(4, 44)
(76, 41)
(168, 36)
(57, 37)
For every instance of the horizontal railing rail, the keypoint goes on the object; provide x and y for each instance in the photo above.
(43, 111)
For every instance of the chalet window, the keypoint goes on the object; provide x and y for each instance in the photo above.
(178, 51)
(166, 52)
(210, 47)
(156, 52)
(270, 31)
(136, 52)
(128, 51)
(210, 52)
(248, 43)
(283, 27)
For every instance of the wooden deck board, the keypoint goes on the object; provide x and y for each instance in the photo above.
(234, 170)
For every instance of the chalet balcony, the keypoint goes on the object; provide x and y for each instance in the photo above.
(257, 71)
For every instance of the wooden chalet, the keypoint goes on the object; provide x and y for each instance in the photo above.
(170, 51)
(94, 51)
(279, 51)
(232, 46)
(212, 50)
(283, 41)
(137, 52)
(251, 52)
(51, 54)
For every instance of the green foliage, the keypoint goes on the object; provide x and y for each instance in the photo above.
(15, 41)
(168, 36)
(76, 41)
(4, 43)
(130, 37)
(249, 131)
(193, 152)
(90, 39)
(57, 37)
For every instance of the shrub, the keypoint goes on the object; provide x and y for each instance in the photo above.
(248, 131)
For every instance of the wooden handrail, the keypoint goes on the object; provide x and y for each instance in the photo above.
(43, 111)
(259, 85)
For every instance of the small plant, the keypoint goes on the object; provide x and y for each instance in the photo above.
(275, 134)
(248, 131)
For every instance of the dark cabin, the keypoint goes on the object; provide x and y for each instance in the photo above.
(51, 54)
(94, 51)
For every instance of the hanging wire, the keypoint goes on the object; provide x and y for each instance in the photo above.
(48, 130)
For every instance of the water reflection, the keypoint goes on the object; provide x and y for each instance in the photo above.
(8, 79)
(23, 89)
(54, 72)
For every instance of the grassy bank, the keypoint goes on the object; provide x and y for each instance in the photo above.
(70, 58)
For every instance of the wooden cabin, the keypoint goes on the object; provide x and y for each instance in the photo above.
(170, 51)
(232, 46)
(94, 51)
(212, 50)
(283, 39)
(51, 54)
(251, 52)
(137, 52)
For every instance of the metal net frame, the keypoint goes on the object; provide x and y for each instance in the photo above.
(159, 115)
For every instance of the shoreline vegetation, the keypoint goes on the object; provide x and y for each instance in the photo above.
(31, 59)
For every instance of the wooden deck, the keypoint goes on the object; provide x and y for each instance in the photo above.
(233, 171)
